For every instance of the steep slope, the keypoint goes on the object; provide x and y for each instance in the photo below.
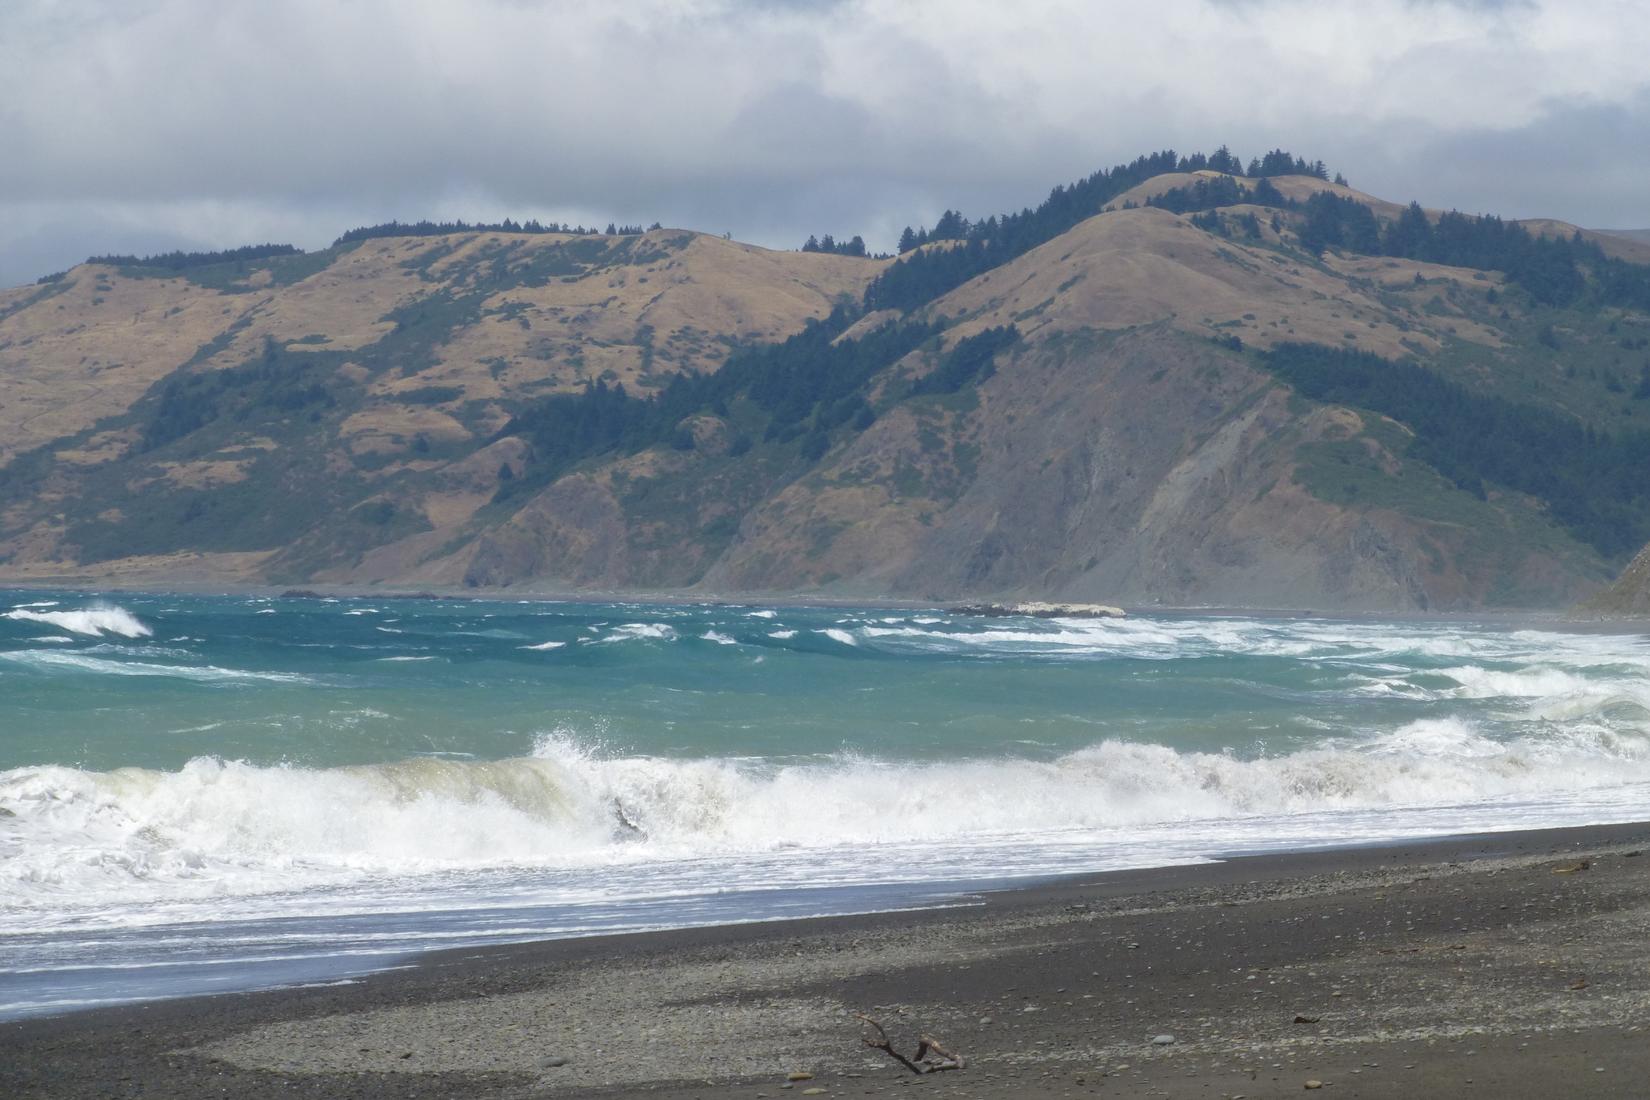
(1629, 597)
(1125, 451)
(1142, 466)
(1099, 412)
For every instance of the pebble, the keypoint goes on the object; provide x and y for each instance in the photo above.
(799, 1075)
(986, 1021)
(552, 1062)
(813, 1092)
(1162, 1040)
(1314, 1084)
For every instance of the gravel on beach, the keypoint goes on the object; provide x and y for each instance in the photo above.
(1512, 965)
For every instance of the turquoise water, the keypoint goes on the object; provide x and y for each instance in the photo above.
(220, 793)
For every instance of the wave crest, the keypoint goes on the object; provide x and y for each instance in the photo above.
(228, 827)
(94, 621)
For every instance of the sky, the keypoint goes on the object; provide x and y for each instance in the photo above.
(146, 125)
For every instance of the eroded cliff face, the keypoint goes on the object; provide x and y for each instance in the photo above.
(1146, 467)
(1142, 466)
(1629, 597)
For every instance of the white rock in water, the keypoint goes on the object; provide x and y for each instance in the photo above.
(1071, 610)
(1041, 610)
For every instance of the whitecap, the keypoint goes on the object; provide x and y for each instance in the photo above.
(659, 632)
(95, 620)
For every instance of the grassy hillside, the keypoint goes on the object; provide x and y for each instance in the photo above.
(1165, 384)
(247, 401)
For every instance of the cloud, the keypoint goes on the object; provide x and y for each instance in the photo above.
(212, 122)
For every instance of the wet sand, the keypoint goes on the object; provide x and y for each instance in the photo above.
(1513, 965)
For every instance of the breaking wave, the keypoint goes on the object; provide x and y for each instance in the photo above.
(94, 621)
(218, 827)
(657, 632)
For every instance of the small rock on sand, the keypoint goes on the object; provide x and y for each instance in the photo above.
(1314, 1084)
(1162, 1040)
(799, 1075)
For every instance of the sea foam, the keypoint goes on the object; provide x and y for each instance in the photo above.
(217, 827)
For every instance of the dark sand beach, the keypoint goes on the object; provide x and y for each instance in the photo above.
(1511, 965)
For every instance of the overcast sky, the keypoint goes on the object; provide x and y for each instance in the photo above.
(144, 125)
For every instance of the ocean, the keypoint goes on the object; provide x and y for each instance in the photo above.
(203, 794)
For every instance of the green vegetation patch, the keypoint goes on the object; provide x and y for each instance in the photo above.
(230, 272)
(805, 388)
(276, 385)
(1592, 484)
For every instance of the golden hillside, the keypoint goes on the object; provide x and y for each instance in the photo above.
(427, 411)
(628, 309)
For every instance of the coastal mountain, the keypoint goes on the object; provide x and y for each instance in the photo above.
(1178, 381)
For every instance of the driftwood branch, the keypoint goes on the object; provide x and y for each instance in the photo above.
(931, 1057)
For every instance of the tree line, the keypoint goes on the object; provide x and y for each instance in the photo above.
(181, 261)
(854, 246)
(925, 274)
(440, 229)
(1556, 271)
(1218, 191)
(1591, 483)
(808, 388)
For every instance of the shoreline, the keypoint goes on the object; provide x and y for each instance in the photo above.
(1560, 620)
(1512, 964)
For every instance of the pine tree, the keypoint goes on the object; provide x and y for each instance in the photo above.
(1222, 160)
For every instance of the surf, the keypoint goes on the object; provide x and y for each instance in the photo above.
(94, 621)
